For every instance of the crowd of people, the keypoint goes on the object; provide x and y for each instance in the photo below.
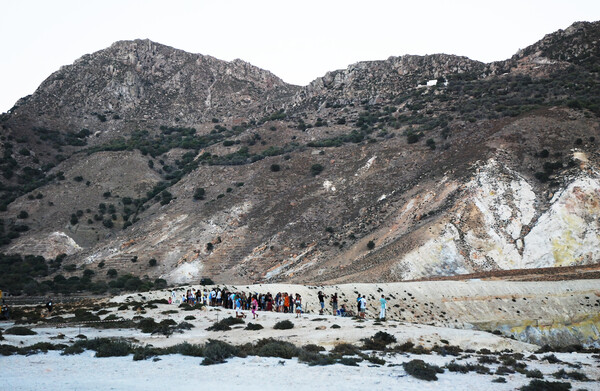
(281, 302)
(240, 301)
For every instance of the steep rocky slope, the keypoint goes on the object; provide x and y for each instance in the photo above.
(412, 167)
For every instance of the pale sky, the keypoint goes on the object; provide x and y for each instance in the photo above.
(296, 40)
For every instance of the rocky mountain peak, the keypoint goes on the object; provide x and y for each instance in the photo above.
(578, 44)
(145, 80)
(377, 80)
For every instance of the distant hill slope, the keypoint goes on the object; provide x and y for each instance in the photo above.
(416, 166)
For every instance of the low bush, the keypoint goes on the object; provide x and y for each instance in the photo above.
(487, 360)
(158, 301)
(450, 350)
(104, 347)
(551, 358)
(114, 349)
(19, 330)
(313, 348)
(189, 317)
(466, 368)
(216, 352)
(146, 352)
(254, 326)
(421, 370)
(504, 370)
(534, 374)
(224, 324)
(574, 375)
(147, 325)
(283, 325)
(379, 341)
(543, 385)
(345, 349)
(40, 347)
(8, 350)
(350, 361)
(313, 359)
(186, 349)
(375, 360)
(82, 315)
(275, 348)
(187, 307)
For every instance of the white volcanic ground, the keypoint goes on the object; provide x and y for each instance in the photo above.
(51, 371)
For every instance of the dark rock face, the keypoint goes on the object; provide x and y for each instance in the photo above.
(412, 167)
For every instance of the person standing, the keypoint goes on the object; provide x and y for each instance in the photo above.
(254, 307)
(322, 297)
(298, 305)
(363, 306)
(334, 303)
(358, 304)
(383, 307)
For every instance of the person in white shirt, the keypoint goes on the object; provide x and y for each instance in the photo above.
(363, 306)
(383, 306)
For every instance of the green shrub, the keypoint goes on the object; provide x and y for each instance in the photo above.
(313, 348)
(189, 317)
(312, 358)
(275, 167)
(379, 341)
(148, 325)
(8, 350)
(504, 370)
(114, 349)
(542, 385)
(375, 360)
(430, 143)
(224, 324)
(350, 361)
(186, 349)
(345, 349)
(19, 330)
(371, 245)
(562, 374)
(152, 262)
(466, 368)
(146, 352)
(421, 370)
(316, 169)
(254, 327)
(216, 352)
(283, 325)
(274, 348)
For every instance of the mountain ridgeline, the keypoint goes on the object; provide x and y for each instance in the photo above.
(155, 164)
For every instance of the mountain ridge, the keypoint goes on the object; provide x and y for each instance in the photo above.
(370, 173)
